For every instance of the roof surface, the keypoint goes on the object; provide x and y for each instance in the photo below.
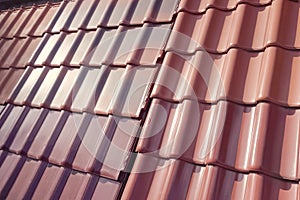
(171, 99)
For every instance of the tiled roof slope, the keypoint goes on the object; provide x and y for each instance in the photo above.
(164, 99)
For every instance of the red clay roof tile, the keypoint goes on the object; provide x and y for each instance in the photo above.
(90, 88)
(235, 29)
(179, 179)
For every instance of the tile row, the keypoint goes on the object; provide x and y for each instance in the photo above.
(16, 52)
(8, 81)
(200, 6)
(247, 27)
(112, 13)
(264, 138)
(23, 178)
(85, 142)
(135, 45)
(105, 90)
(175, 179)
(85, 14)
(33, 21)
(240, 76)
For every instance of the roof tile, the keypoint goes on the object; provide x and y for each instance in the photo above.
(67, 139)
(236, 29)
(9, 78)
(37, 179)
(240, 76)
(239, 135)
(202, 5)
(86, 89)
(178, 179)
(111, 13)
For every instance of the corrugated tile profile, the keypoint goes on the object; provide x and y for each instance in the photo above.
(247, 27)
(68, 139)
(199, 7)
(236, 136)
(125, 45)
(90, 14)
(108, 90)
(23, 178)
(240, 76)
(176, 179)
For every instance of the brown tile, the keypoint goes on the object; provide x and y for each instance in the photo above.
(178, 179)
(229, 134)
(202, 5)
(236, 29)
(107, 188)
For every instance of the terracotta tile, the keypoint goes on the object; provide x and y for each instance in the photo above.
(75, 186)
(4, 15)
(202, 5)
(27, 177)
(9, 171)
(184, 180)
(22, 135)
(20, 24)
(82, 13)
(7, 45)
(129, 45)
(13, 17)
(48, 87)
(63, 96)
(236, 29)
(130, 93)
(67, 140)
(44, 18)
(28, 85)
(24, 53)
(9, 79)
(46, 134)
(132, 12)
(106, 187)
(241, 76)
(65, 17)
(48, 182)
(237, 135)
(86, 90)
(11, 118)
(44, 53)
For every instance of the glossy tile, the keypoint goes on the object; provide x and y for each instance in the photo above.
(9, 79)
(237, 29)
(240, 76)
(108, 90)
(201, 6)
(111, 13)
(237, 136)
(37, 179)
(133, 45)
(69, 139)
(179, 179)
